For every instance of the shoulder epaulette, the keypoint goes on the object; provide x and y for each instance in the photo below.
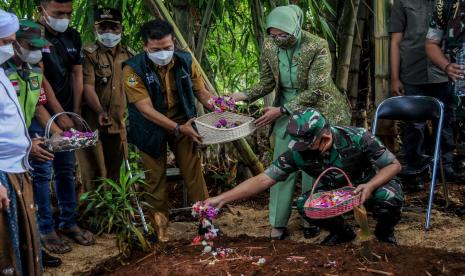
(91, 48)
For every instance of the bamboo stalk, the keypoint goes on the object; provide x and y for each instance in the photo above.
(158, 4)
(349, 22)
(381, 35)
(355, 65)
(258, 21)
(248, 156)
(386, 129)
(333, 25)
(204, 30)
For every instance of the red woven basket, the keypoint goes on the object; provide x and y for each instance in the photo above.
(318, 212)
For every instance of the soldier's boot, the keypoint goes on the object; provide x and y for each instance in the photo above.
(310, 230)
(161, 226)
(387, 220)
(339, 231)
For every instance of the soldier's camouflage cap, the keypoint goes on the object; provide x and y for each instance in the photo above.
(33, 33)
(304, 128)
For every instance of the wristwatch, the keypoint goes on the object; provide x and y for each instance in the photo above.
(283, 110)
(177, 130)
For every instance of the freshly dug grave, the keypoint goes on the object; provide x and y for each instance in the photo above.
(292, 258)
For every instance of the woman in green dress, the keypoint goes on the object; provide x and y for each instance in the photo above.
(297, 65)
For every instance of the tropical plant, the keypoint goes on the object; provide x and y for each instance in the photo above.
(110, 209)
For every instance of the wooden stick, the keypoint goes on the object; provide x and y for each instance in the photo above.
(375, 271)
(146, 257)
(297, 257)
(181, 263)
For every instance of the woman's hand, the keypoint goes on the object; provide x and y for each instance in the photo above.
(239, 96)
(271, 115)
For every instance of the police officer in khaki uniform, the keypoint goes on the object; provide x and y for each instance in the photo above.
(105, 100)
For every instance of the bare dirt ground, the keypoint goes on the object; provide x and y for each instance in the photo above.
(86, 258)
(440, 250)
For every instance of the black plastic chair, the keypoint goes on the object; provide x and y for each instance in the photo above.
(416, 108)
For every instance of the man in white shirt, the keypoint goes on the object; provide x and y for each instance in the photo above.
(19, 250)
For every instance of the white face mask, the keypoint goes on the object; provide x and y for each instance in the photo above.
(161, 58)
(32, 57)
(6, 52)
(58, 25)
(109, 40)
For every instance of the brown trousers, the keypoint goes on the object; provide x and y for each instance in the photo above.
(103, 160)
(188, 160)
(27, 229)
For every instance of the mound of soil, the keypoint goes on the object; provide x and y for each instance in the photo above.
(292, 258)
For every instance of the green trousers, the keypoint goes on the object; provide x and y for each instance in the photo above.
(281, 193)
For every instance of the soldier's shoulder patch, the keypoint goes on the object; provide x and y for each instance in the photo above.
(132, 80)
(91, 48)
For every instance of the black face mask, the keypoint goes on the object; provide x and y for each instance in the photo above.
(312, 153)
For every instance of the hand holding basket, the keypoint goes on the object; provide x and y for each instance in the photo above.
(333, 203)
(71, 139)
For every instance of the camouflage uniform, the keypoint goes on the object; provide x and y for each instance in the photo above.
(316, 88)
(354, 150)
(447, 24)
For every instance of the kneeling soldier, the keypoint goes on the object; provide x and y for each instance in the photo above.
(316, 146)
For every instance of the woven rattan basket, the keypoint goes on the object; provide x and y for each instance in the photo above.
(58, 143)
(213, 135)
(315, 212)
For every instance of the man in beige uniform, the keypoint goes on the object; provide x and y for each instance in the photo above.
(105, 99)
(161, 85)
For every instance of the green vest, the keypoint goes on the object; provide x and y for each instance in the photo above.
(27, 84)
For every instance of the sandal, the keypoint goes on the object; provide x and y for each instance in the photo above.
(82, 237)
(54, 244)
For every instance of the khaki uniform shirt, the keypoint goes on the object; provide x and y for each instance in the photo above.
(102, 68)
(136, 90)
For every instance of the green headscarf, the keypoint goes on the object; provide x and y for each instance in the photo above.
(286, 18)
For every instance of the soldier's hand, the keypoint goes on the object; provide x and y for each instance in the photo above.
(365, 190)
(189, 131)
(216, 201)
(38, 151)
(104, 119)
(455, 71)
(4, 200)
(271, 114)
(397, 88)
(64, 122)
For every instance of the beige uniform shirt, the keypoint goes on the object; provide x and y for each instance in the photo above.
(102, 69)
